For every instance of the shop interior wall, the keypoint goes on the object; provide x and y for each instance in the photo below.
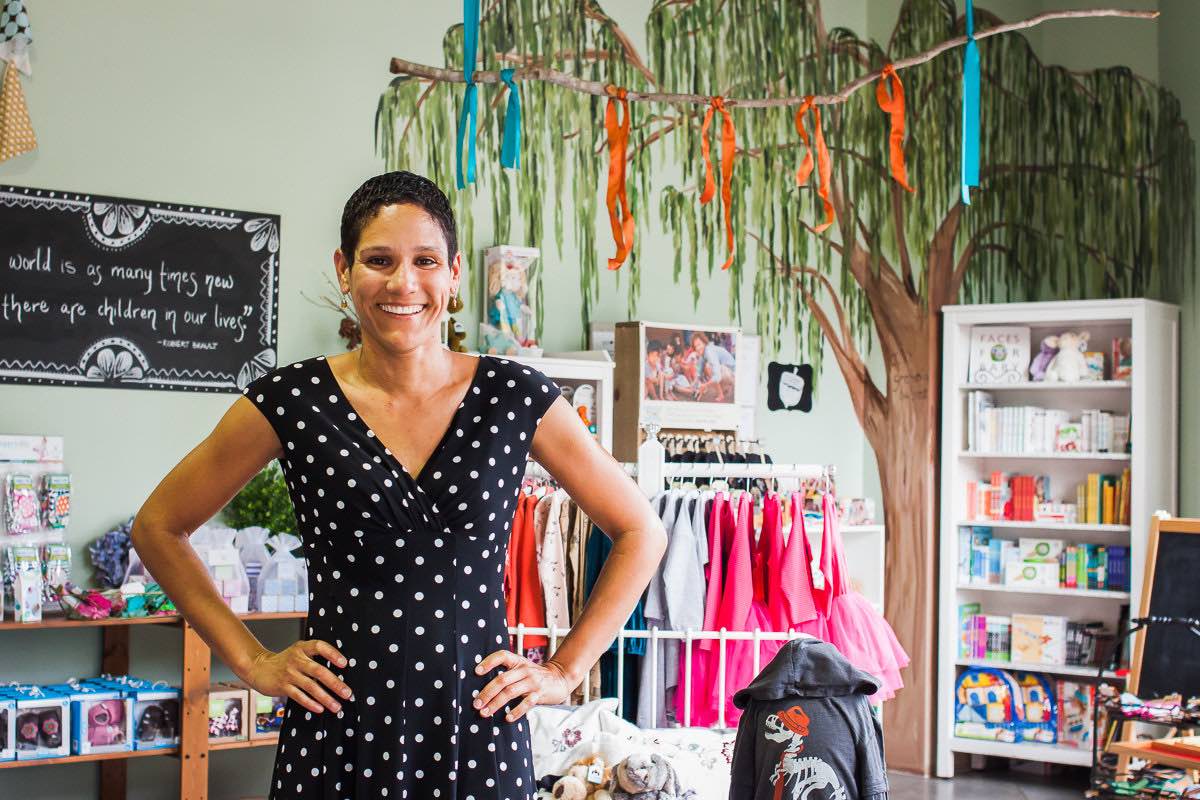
(268, 107)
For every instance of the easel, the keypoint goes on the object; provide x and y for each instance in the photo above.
(1121, 741)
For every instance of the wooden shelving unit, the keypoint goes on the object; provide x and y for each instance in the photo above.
(194, 748)
(1151, 400)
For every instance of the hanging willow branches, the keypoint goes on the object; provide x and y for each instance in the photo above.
(1087, 182)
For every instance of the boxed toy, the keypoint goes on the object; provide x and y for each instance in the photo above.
(1039, 639)
(43, 723)
(1075, 707)
(101, 721)
(227, 706)
(987, 705)
(1041, 551)
(8, 723)
(268, 714)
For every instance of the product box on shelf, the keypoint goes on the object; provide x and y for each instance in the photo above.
(154, 707)
(268, 714)
(227, 706)
(101, 719)
(43, 723)
(1039, 639)
(1042, 551)
(8, 726)
(1075, 706)
(1031, 575)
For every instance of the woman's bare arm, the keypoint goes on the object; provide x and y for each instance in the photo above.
(190, 495)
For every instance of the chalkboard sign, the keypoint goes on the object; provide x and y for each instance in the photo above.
(113, 292)
(1167, 657)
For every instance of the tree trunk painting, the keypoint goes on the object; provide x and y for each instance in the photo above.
(1086, 191)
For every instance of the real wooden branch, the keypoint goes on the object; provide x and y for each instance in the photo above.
(402, 66)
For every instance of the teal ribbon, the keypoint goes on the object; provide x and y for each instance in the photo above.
(471, 97)
(510, 147)
(970, 109)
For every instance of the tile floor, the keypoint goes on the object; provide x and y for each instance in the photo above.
(992, 784)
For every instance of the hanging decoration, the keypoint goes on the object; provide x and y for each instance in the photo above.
(889, 92)
(824, 167)
(510, 147)
(728, 148)
(789, 387)
(16, 130)
(970, 109)
(466, 120)
(618, 141)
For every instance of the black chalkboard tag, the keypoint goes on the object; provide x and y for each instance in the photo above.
(1166, 658)
(135, 294)
(789, 387)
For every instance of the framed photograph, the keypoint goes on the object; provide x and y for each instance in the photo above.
(678, 376)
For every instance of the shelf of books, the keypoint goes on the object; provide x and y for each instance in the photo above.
(1059, 437)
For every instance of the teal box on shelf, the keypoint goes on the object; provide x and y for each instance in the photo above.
(8, 727)
(43, 723)
(101, 720)
(155, 714)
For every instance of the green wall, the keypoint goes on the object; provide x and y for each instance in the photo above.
(267, 106)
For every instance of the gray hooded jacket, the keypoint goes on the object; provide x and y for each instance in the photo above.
(807, 731)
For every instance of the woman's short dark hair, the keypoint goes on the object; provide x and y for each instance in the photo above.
(396, 188)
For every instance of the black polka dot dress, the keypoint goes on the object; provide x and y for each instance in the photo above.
(405, 576)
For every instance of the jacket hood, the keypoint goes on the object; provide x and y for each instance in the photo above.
(807, 667)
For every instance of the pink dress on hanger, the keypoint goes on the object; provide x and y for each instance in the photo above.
(856, 629)
(704, 655)
(738, 612)
(790, 599)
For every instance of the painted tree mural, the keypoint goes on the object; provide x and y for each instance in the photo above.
(1086, 191)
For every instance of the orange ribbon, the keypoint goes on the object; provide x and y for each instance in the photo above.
(824, 169)
(728, 146)
(891, 100)
(618, 141)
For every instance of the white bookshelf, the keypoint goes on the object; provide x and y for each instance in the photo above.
(1151, 400)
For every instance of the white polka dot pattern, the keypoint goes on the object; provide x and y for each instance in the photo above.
(394, 562)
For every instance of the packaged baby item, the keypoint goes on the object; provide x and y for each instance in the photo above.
(268, 714)
(56, 574)
(227, 706)
(20, 503)
(56, 499)
(101, 720)
(155, 711)
(8, 723)
(26, 570)
(252, 548)
(214, 544)
(43, 724)
(283, 585)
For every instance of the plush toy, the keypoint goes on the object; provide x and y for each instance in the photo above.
(585, 780)
(1037, 368)
(1068, 364)
(456, 335)
(647, 777)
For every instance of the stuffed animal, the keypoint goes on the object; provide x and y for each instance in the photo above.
(1068, 364)
(647, 777)
(1037, 368)
(456, 335)
(585, 780)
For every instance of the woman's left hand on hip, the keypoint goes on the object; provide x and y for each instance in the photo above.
(538, 684)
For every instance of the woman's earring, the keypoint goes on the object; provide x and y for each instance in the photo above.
(345, 305)
(456, 303)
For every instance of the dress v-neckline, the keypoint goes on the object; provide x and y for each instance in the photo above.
(361, 421)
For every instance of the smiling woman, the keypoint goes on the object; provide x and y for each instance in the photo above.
(403, 461)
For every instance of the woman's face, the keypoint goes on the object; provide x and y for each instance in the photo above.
(400, 281)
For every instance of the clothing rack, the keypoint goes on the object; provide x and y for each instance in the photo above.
(654, 635)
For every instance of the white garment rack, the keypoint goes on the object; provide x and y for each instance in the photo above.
(654, 635)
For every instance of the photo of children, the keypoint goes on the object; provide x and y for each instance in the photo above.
(692, 366)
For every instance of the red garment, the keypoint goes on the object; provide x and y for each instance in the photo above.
(525, 603)
(790, 594)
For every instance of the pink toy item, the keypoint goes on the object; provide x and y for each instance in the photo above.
(106, 723)
(856, 629)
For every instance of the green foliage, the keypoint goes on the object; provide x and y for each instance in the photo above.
(1087, 179)
(263, 501)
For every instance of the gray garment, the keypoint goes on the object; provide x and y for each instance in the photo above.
(808, 722)
(655, 611)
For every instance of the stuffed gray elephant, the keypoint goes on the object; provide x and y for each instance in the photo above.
(647, 777)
